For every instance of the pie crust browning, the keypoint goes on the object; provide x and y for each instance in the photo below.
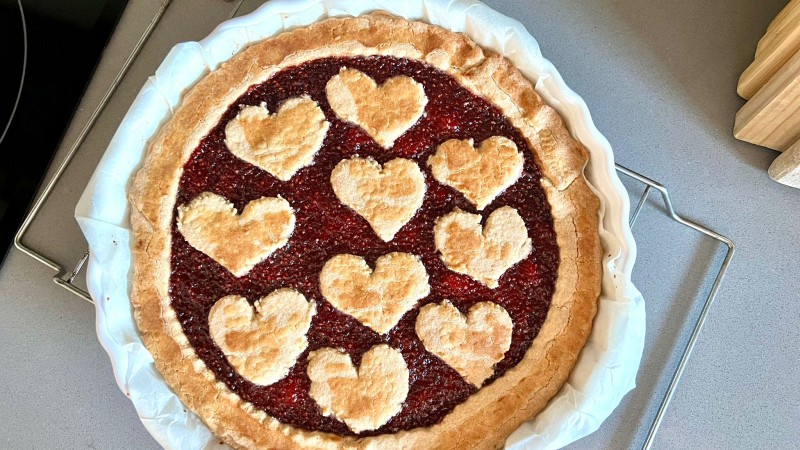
(385, 112)
(377, 298)
(386, 196)
(490, 415)
(238, 242)
(364, 398)
(485, 252)
(281, 143)
(264, 340)
(481, 173)
(471, 344)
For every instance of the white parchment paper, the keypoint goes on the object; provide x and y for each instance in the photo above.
(607, 367)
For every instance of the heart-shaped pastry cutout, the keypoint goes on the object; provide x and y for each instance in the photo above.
(470, 344)
(363, 398)
(238, 242)
(377, 298)
(385, 112)
(262, 342)
(483, 253)
(387, 197)
(482, 173)
(280, 143)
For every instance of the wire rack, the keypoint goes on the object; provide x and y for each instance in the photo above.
(66, 279)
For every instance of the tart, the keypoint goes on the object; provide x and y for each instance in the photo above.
(369, 232)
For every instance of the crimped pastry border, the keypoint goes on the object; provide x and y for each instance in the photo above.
(487, 417)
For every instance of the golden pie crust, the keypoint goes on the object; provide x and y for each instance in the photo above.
(280, 143)
(377, 298)
(365, 398)
(487, 417)
(210, 223)
(387, 197)
(262, 341)
(483, 252)
(470, 344)
(480, 173)
(385, 112)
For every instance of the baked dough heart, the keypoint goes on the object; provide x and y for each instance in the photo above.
(377, 298)
(281, 143)
(262, 342)
(470, 344)
(238, 242)
(387, 197)
(483, 253)
(385, 112)
(482, 173)
(363, 398)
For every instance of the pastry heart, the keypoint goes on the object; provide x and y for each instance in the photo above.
(387, 197)
(483, 253)
(470, 344)
(378, 298)
(385, 112)
(281, 143)
(238, 242)
(262, 342)
(363, 398)
(482, 173)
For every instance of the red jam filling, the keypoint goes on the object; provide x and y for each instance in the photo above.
(326, 228)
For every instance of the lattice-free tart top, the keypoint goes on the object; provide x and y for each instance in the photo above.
(365, 233)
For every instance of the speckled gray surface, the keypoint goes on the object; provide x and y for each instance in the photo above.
(659, 78)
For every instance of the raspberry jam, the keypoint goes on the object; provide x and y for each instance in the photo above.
(326, 228)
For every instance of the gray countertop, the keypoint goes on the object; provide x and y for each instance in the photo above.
(660, 79)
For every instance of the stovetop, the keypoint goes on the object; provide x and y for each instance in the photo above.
(49, 51)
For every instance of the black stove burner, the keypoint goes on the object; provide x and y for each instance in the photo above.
(48, 51)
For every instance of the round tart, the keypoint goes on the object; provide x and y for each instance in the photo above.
(368, 232)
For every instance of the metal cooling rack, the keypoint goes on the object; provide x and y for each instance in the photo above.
(712, 294)
(66, 280)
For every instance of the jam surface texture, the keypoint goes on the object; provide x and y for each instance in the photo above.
(326, 228)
